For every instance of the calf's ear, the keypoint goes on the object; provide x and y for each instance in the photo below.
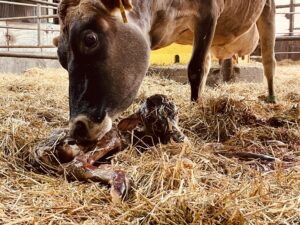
(129, 123)
(117, 4)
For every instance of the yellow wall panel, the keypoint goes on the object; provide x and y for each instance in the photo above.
(165, 56)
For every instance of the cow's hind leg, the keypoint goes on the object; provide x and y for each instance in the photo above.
(266, 29)
(200, 62)
(227, 70)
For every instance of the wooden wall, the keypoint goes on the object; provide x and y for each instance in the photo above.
(284, 50)
(288, 46)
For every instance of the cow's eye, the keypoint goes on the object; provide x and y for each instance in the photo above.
(91, 39)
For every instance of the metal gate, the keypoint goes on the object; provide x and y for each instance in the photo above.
(30, 35)
(288, 29)
(29, 29)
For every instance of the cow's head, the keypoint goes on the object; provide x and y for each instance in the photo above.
(106, 60)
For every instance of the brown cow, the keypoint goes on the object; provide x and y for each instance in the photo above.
(107, 59)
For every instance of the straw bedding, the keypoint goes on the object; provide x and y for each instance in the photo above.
(211, 180)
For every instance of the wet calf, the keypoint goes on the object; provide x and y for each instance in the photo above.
(156, 121)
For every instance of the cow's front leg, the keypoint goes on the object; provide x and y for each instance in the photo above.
(200, 62)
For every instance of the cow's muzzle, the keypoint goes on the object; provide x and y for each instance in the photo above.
(84, 130)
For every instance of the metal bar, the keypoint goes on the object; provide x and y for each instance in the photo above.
(288, 13)
(38, 9)
(26, 46)
(24, 28)
(28, 17)
(7, 40)
(278, 53)
(283, 32)
(17, 3)
(286, 33)
(287, 6)
(49, 7)
(292, 18)
(29, 56)
(42, 2)
(26, 4)
(288, 38)
(50, 12)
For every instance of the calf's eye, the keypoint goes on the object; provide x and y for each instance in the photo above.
(90, 39)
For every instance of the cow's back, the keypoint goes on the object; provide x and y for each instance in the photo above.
(166, 22)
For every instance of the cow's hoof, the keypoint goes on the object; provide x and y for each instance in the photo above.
(271, 99)
(268, 99)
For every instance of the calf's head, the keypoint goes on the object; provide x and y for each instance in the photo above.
(106, 61)
(156, 119)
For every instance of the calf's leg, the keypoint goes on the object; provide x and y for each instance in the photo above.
(266, 29)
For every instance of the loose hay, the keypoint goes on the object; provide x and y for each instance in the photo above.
(173, 184)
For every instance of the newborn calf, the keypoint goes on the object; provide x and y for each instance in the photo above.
(62, 155)
(156, 121)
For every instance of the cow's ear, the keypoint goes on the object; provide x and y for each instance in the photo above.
(129, 123)
(117, 4)
(63, 7)
(55, 41)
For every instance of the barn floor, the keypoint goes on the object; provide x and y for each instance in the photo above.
(212, 180)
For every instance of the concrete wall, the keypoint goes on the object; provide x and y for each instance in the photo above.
(19, 65)
(242, 73)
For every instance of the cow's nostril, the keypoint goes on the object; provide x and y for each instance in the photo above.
(79, 131)
(80, 127)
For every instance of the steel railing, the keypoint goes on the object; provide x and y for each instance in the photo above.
(291, 35)
(38, 5)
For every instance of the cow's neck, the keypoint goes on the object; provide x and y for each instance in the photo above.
(153, 17)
